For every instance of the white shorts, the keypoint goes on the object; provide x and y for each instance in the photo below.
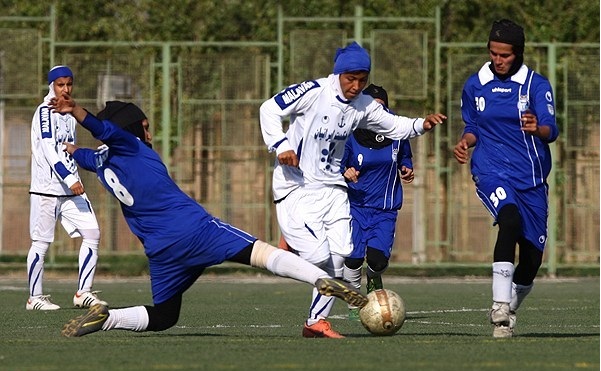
(316, 222)
(75, 213)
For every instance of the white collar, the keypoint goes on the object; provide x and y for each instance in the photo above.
(485, 74)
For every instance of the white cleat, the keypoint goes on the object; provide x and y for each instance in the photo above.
(503, 319)
(87, 299)
(41, 302)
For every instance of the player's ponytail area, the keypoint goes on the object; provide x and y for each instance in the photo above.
(255, 322)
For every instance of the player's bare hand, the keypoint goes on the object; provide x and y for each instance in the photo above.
(407, 174)
(69, 148)
(62, 104)
(433, 119)
(461, 151)
(77, 188)
(288, 158)
(529, 123)
(351, 175)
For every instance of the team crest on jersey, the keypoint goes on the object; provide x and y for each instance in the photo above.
(551, 109)
(523, 103)
(292, 93)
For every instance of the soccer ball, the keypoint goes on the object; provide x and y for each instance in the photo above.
(384, 313)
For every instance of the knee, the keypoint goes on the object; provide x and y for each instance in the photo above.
(160, 320)
(509, 218)
(353, 263)
(90, 234)
(376, 260)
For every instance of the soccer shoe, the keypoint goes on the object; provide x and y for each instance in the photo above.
(87, 299)
(502, 319)
(87, 323)
(503, 331)
(374, 283)
(341, 290)
(353, 314)
(41, 302)
(499, 314)
(320, 329)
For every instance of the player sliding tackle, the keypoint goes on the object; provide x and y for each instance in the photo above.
(180, 237)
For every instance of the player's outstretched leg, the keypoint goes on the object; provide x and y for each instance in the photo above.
(341, 290)
(87, 323)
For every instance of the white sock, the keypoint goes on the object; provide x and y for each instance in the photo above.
(337, 264)
(287, 264)
(502, 278)
(35, 267)
(518, 293)
(88, 258)
(352, 276)
(321, 306)
(132, 318)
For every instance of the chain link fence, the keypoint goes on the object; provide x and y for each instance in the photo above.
(203, 100)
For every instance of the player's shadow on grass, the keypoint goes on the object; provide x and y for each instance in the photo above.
(196, 334)
(547, 335)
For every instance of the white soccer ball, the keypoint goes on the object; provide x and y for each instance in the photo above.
(384, 313)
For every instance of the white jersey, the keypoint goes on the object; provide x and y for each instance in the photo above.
(53, 171)
(321, 121)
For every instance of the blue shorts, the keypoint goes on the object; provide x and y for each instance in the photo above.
(177, 267)
(374, 228)
(532, 205)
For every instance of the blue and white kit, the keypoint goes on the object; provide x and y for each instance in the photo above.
(509, 165)
(377, 195)
(180, 237)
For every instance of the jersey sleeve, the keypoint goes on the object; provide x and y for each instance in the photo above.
(469, 111)
(295, 99)
(405, 154)
(543, 103)
(85, 158)
(44, 127)
(392, 126)
(348, 153)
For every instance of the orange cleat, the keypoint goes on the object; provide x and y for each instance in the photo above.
(320, 329)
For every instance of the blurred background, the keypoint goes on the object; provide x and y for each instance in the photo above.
(201, 69)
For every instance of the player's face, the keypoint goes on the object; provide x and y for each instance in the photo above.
(353, 83)
(502, 56)
(63, 85)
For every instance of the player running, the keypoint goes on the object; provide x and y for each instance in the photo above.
(374, 167)
(509, 114)
(308, 188)
(180, 237)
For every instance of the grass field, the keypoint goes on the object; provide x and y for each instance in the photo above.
(254, 323)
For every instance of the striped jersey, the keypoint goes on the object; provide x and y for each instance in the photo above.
(379, 185)
(321, 121)
(492, 108)
(156, 210)
(53, 171)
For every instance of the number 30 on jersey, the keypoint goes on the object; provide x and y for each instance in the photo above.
(497, 196)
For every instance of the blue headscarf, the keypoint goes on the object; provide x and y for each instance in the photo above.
(352, 58)
(59, 71)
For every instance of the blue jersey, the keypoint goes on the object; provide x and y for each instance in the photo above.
(492, 109)
(179, 236)
(379, 185)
